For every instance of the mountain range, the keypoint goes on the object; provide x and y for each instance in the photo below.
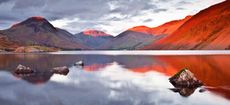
(209, 29)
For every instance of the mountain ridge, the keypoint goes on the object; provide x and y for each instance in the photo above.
(209, 29)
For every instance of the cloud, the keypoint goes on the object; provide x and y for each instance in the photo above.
(4, 1)
(25, 4)
(179, 8)
(159, 10)
(183, 3)
(148, 20)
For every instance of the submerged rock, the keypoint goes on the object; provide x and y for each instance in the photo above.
(23, 70)
(60, 70)
(185, 92)
(79, 63)
(185, 78)
(202, 90)
(38, 77)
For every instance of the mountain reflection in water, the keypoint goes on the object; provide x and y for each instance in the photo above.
(112, 80)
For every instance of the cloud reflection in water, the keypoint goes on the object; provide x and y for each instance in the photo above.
(112, 83)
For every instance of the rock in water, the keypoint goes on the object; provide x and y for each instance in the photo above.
(185, 92)
(61, 70)
(23, 70)
(79, 63)
(185, 78)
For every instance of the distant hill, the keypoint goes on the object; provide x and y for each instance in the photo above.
(164, 29)
(93, 38)
(131, 40)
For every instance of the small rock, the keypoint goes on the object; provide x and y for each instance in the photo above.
(61, 70)
(202, 90)
(185, 78)
(79, 63)
(185, 92)
(23, 70)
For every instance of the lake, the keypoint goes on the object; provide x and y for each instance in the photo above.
(114, 78)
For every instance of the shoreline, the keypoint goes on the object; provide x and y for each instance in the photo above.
(134, 52)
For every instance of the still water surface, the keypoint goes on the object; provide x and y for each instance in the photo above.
(113, 80)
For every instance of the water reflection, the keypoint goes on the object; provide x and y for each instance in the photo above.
(212, 70)
(39, 77)
(118, 80)
(184, 91)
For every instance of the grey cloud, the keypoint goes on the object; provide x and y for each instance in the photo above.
(115, 19)
(4, 1)
(82, 9)
(179, 8)
(159, 10)
(5, 17)
(164, 0)
(183, 3)
(148, 20)
(132, 7)
(24, 4)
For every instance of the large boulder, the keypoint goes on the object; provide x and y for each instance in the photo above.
(185, 78)
(60, 70)
(23, 70)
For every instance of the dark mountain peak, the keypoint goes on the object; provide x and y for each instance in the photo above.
(38, 31)
(95, 33)
(36, 22)
(37, 18)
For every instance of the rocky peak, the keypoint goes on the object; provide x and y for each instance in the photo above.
(95, 33)
(35, 22)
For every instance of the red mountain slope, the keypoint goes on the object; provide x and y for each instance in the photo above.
(141, 29)
(169, 27)
(207, 30)
(165, 29)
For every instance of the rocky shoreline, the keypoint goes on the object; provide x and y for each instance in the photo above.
(31, 49)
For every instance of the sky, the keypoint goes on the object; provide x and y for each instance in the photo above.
(110, 16)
